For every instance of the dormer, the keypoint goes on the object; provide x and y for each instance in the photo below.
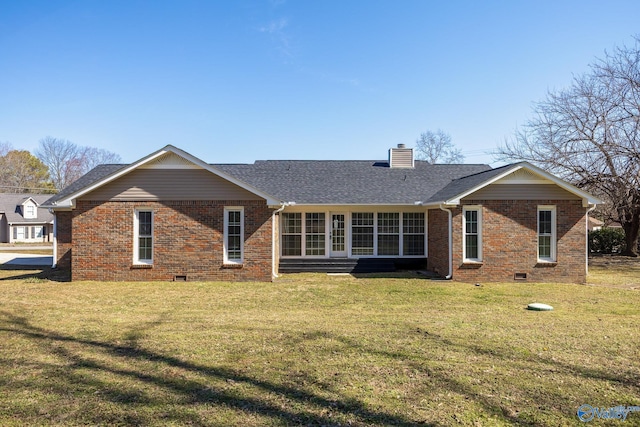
(401, 157)
(29, 209)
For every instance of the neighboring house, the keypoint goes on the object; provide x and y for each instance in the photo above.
(171, 216)
(22, 220)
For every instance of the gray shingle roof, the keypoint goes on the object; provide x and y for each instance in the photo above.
(10, 205)
(93, 176)
(466, 183)
(334, 181)
(348, 181)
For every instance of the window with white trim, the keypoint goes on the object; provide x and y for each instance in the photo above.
(472, 233)
(291, 234)
(233, 235)
(388, 233)
(362, 233)
(314, 234)
(547, 233)
(412, 233)
(29, 211)
(143, 237)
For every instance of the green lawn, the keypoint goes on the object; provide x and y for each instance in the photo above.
(315, 350)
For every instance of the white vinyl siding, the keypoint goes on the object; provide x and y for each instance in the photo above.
(547, 233)
(233, 235)
(472, 233)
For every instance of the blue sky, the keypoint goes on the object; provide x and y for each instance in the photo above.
(238, 81)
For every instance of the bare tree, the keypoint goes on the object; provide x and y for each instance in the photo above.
(67, 161)
(92, 157)
(589, 135)
(58, 155)
(436, 147)
(5, 147)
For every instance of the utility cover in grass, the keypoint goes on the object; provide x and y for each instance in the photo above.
(539, 307)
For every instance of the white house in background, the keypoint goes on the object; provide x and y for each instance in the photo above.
(22, 220)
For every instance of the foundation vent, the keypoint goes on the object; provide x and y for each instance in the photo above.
(179, 278)
(520, 276)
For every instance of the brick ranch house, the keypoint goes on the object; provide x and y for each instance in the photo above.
(171, 216)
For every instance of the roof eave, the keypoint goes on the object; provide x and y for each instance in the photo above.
(69, 201)
(587, 199)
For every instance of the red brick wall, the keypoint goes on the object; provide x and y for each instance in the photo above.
(509, 242)
(63, 233)
(438, 242)
(188, 240)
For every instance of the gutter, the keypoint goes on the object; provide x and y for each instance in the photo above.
(442, 208)
(273, 236)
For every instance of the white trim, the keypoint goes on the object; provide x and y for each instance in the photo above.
(54, 262)
(31, 215)
(136, 243)
(344, 253)
(225, 244)
(554, 242)
(465, 209)
(586, 240)
(349, 231)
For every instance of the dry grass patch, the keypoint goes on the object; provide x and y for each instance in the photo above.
(313, 350)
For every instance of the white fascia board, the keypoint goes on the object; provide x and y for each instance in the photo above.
(69, 202)
(587, 199)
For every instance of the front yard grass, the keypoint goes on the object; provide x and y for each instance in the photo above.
(315, 350)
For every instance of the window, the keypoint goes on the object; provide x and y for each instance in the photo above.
(547, 233)
(233, 235)
(143, 242)
(413, 233)
(314, 234)
(389, 233)
(29, 211)
(362, 233)
(291, 234)
(472, 233)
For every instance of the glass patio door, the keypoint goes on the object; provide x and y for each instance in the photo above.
(338, 235)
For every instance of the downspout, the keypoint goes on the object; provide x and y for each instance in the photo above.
(55, 241)
(448, 276)
(273, 239)
(586, 261)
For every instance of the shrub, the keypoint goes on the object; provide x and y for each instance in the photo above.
(606, 241)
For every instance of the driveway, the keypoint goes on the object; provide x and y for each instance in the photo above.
(16, 258)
